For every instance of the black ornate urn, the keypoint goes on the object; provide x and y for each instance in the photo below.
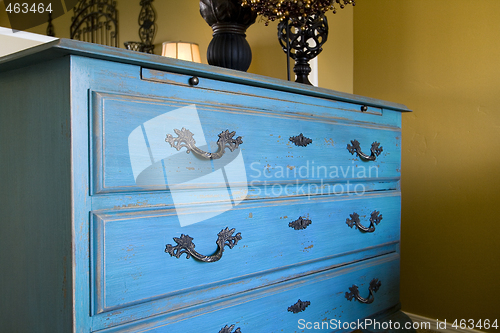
(229, 22)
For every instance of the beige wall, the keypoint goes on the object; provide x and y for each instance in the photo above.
(442, 59)
(181, 20)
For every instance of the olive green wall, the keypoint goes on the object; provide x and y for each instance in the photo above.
(181, 20)
(442, 59)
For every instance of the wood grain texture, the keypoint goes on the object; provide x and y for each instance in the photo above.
(268, 154)
(80, 191)
(266, 309)
(36, 284)
(131, 267)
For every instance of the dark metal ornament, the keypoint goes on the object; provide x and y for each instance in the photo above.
(300, 223)
(193, 81)
(229, 22)
(354, 292)
(375, 219)
(95, 21)
(299, 306)
(303, 39)
(229, 329)
(147, 29)
(300, 140)
(185, 139)
(185, 245)
(375, 150)
(50, 27)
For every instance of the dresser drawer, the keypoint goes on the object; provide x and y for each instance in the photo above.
(280, 239)
(327, 298)
(130, 152)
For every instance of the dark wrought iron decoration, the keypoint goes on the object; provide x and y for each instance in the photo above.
(354, 292)
(354, 148)
(147, 29)
(375, 219)
(50, 27)
(299, 306)
(303, 40)
(229, 22)
(300, 223)
(185, 139)
(227, 329)
(300, 140)
(302, 27)
(95, 21)
(185, 245)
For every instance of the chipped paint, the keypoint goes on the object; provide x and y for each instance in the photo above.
(307, 248)
(132, 205)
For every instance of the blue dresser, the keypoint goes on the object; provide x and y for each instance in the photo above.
(144, 194)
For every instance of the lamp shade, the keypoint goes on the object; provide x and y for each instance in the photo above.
(182, 50)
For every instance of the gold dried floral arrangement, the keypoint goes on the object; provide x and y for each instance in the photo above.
(294, 10)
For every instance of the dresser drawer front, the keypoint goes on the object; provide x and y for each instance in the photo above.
(130, 152)
(276, 308)
(130, 266)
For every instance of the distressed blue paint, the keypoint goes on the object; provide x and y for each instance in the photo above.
(268, 153)
(64, 47)
(84, 237)
(265, 310)
(129, 262)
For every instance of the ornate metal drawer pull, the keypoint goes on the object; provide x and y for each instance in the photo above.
(354, 292)
(299, 306)
(300, 223)
(185, 245)
(185, 139)
(300, 140)
(375, 218)
(375, 150)
(227, 329)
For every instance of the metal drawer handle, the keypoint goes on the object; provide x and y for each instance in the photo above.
(354, 292)
(185, 139)
(299, 306)
(300, 223)
(300, 140)
(375, 218)
(375, 150)
(185, 245)
(226, 329)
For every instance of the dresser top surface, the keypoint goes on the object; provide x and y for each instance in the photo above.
(64, 47)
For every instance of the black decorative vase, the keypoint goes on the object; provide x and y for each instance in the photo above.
(229, 22)
(302, 40)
